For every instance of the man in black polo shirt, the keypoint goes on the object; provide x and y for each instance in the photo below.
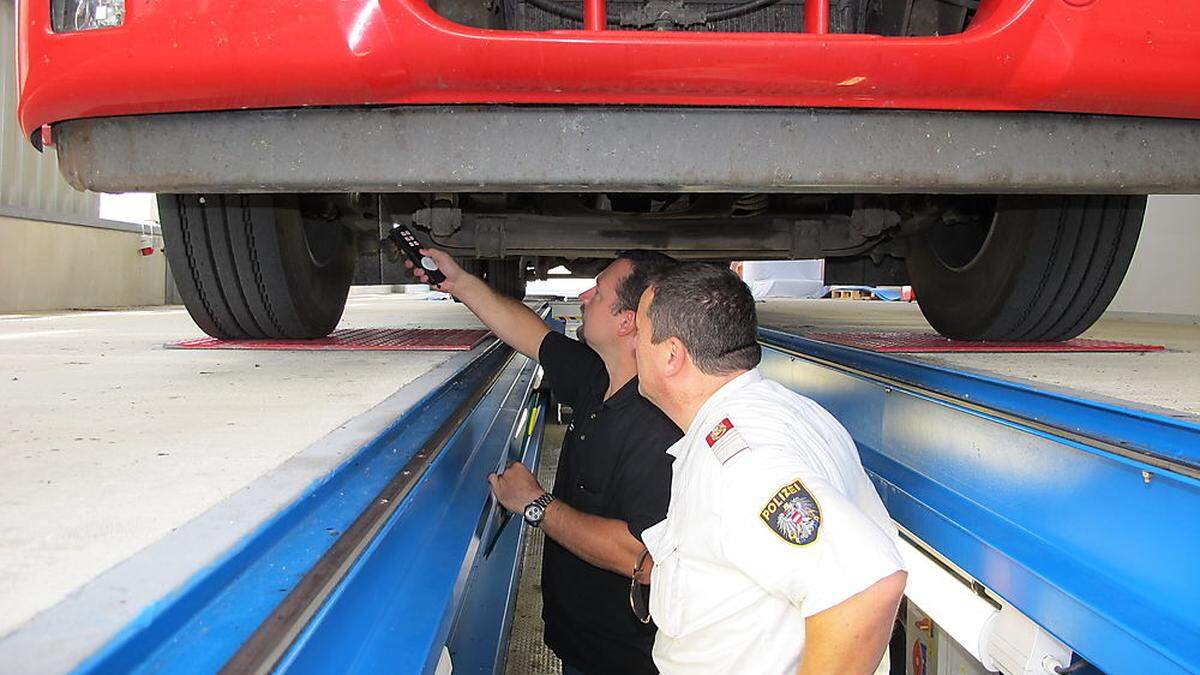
(614, 475)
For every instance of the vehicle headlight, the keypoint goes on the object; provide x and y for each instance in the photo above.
(69, 16)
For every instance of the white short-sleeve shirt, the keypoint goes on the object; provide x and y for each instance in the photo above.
(772, 519)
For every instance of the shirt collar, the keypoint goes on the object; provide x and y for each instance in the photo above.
(701, 420)
(624, 395)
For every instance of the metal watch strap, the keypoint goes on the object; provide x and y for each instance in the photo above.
(541, 502)
(544, 500)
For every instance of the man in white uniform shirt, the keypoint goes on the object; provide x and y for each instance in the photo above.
(777, 555)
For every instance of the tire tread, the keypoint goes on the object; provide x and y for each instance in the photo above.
(234, 265)
(1054, 272)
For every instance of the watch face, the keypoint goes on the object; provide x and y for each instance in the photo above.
(534, 513)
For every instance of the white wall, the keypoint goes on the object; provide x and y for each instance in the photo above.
(54, 251)
(49, 266)
(29, 180)
(1164, 276)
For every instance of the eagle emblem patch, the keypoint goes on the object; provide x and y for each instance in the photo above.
(793, 514)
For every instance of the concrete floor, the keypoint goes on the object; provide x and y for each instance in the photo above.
(109, 442)
(1165, 379)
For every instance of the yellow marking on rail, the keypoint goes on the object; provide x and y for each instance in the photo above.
(532, 421)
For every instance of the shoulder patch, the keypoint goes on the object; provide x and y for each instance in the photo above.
(793, 514)
(725, 441)
(718, 431)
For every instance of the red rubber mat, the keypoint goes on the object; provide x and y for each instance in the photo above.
(356, 339)
(899, 342)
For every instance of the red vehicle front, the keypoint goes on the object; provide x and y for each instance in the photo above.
(527, 133)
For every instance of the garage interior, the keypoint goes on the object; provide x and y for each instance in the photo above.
(153, 496)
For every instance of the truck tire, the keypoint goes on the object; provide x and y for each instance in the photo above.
(249, 266)
(507, 276)
(473, 266)
(1042, 268)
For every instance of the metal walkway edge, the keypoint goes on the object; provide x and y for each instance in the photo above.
(428, 578)
(303, 591)
(1084, 515)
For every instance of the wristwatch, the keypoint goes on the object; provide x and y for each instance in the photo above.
(535, 511)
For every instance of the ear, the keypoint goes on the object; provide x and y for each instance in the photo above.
(677, 357)
(628, 323)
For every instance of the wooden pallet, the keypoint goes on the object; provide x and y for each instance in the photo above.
(851, 294)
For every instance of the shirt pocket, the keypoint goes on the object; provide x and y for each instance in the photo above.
(667, 595)
(588, 496)
(592, 483)
(691, 595)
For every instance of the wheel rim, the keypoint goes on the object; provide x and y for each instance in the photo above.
(957, 241)
(957, 246)
(324, 241)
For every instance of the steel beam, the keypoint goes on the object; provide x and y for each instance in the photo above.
(712, 237)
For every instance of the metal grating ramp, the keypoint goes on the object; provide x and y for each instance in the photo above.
(527, 654)
(355, 339)
(918, 342)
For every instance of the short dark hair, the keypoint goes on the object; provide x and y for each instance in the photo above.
(710, 310)
(645, 266)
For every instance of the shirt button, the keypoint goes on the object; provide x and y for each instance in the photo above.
(593, 415)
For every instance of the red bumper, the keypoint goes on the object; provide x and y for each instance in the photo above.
(1092, 56)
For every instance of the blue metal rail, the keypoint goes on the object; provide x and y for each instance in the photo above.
(399, 604)
(1084, 515)
(418, 581)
